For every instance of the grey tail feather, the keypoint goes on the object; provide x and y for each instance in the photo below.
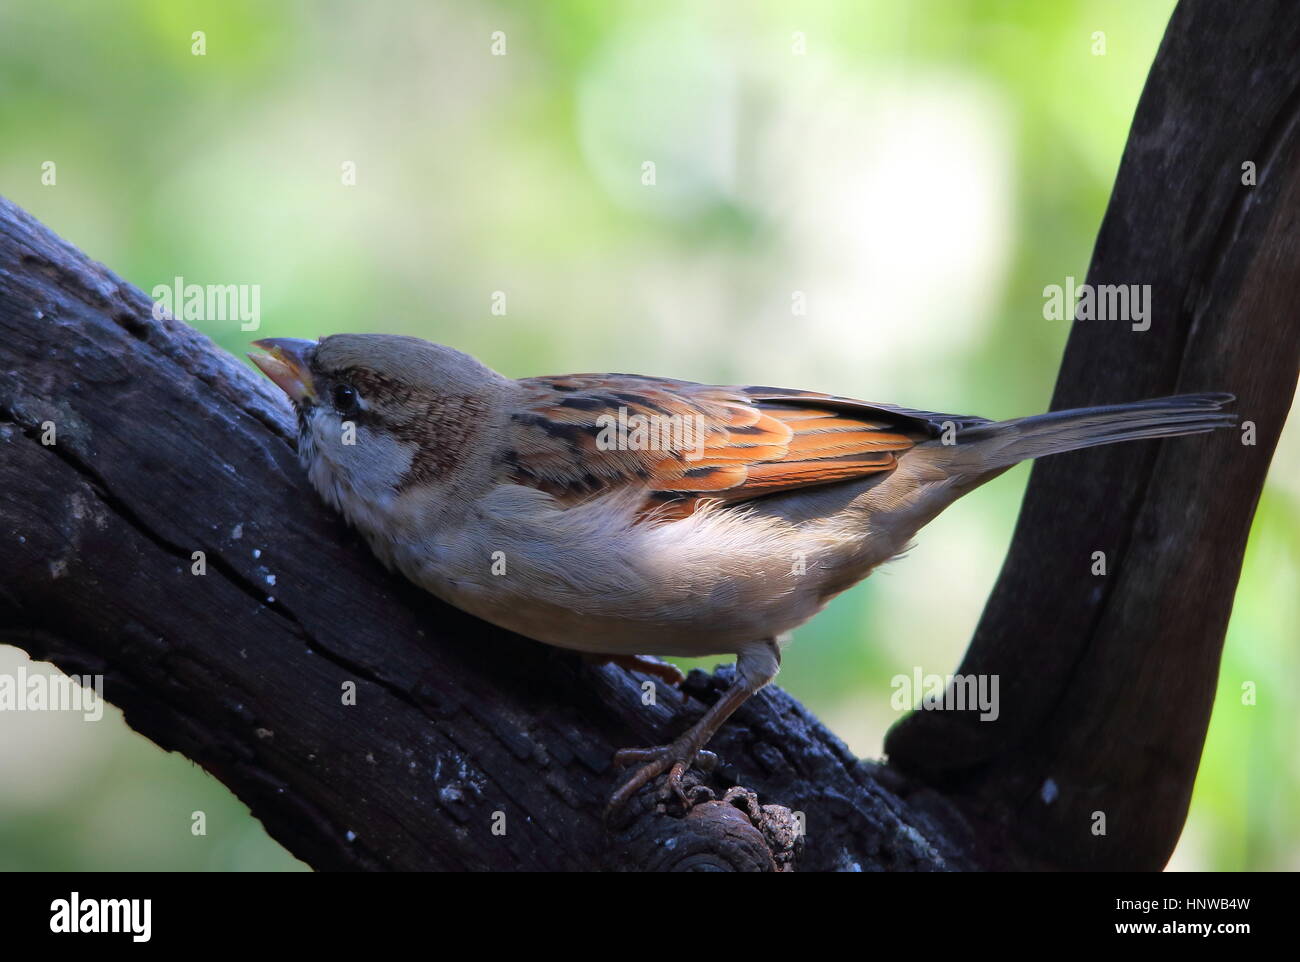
(1003, 443)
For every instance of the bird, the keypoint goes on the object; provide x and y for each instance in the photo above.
(630, 517)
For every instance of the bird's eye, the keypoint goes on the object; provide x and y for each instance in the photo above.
(345, 399)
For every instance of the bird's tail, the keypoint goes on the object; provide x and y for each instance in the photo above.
(997, 446)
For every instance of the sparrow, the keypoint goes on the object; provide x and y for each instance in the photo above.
(627, 516)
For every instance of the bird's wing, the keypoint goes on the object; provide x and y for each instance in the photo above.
(581, 435)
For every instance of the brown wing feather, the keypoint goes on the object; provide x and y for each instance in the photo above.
(732, 444)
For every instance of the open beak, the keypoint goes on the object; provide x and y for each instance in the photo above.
(287, 362)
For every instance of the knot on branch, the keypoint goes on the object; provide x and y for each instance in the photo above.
(733, 833)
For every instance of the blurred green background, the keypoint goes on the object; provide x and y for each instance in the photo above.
(918, 170)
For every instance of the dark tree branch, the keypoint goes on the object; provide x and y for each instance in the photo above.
(1107, 683)
(166, 446)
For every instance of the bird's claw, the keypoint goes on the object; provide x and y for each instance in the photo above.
(675, 759)
(665, 671)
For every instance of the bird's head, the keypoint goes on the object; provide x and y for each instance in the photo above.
(380, 414)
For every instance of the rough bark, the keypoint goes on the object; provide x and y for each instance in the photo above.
(166, 446)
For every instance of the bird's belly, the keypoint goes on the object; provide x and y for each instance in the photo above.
(686, 630)
(710, 584)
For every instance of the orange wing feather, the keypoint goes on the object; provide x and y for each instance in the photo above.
(731, 444)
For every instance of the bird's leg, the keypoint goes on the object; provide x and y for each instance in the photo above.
(755, 667)
(666, 672)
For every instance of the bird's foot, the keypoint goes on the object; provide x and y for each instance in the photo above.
(675, 759)
(665, 671)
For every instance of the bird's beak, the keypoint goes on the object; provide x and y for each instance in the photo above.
(287, 362)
